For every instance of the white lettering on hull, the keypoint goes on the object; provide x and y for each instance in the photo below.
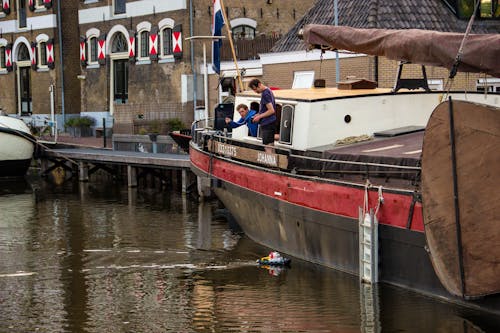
(226, 150)
(267, 159)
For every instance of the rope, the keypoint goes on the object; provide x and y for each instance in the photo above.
(454, 68)
(380, 199)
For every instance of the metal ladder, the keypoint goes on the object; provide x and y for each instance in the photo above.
(368, 247)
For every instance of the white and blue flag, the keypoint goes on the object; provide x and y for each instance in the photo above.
(217, 24)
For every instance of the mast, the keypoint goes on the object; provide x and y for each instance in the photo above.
(229, 35)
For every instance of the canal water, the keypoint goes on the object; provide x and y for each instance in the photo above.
(98, 257)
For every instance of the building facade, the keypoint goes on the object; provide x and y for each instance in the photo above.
(137, 67)
(33, 51)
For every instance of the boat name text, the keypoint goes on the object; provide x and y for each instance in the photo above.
(268, 159)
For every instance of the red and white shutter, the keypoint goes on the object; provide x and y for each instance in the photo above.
(33, 55)
(83, 51)
(47, 3)
(177, 41)
(6, 6)
(101, 49)
(8, 57)
(50, 54)
(32, 5)
(131, 46)
(153, 43)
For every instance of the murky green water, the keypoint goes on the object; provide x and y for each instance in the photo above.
(100, 258)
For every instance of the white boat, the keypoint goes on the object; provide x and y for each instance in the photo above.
(16, 147)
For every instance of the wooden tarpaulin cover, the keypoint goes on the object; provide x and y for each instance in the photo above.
(463, 235)
(481, 53)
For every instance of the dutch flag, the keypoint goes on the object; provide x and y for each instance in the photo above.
(217, 24)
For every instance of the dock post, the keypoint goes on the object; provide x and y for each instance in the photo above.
(184, 181)
(83, 172)
(203, 184)
(44, 165)
(132, 176)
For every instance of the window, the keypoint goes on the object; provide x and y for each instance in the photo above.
(92, 49)
(488, 84)
(39, 4)
(488, 9)
(42, 55)
(21, 15)
(144, 44)
(119, 44)
(166, 42)
(2, 58)
(23, 53)
(243, 32)
(119, 6)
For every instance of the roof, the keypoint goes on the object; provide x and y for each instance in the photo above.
(386, 14)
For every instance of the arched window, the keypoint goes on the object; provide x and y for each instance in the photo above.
(92, 49)
(2, 58)
(166, 42)
(42, 54)
(144, 44)
(243, 32)
(23, 54)
(119, 43)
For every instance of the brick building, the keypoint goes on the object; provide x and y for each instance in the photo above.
(32, 55)
(289, 59)
(137, 67)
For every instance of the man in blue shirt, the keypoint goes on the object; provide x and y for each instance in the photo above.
(246, 118)
(266, 116)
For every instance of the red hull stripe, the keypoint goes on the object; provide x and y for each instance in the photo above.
(322, 196)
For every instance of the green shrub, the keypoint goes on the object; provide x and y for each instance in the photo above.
(84, 121)
(175, 124)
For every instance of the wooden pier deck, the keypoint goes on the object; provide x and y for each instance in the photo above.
(89, 160)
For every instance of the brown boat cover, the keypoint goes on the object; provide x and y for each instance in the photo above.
(463, 236)
(481, 53)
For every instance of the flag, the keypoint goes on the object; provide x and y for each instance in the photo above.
(217, 24)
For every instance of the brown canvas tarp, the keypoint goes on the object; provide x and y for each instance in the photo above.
(481, 53)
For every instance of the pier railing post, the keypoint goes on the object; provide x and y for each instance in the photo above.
(131, 176)
(83, 172)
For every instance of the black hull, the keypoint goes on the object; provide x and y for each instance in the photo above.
(332, 241)
(14, 169)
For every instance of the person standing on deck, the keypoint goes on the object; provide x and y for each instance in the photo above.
(266, 116)
(246, 118)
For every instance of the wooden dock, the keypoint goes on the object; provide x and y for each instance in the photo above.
(89, 160)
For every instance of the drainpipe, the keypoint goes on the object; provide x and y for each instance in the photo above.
(193, 67)
(61, 59)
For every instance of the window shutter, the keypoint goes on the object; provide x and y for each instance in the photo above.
(131, 46)
(177, 41)
(153, 43)
(32, 5)
(101, 49)
(50, 54)
(33, 55)
(47, 3)
(8, 57)
(6, 6)
(83, 51)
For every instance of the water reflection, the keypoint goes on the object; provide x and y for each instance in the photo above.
(103, 258)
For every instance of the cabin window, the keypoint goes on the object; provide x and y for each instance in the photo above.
(286, 124)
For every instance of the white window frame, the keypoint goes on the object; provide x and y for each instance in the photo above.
(166, 23)
(3, 43)
(92, 33)
(491, 83)
(303, 79)
(142, 27)
(43, 38)
(113, 7)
